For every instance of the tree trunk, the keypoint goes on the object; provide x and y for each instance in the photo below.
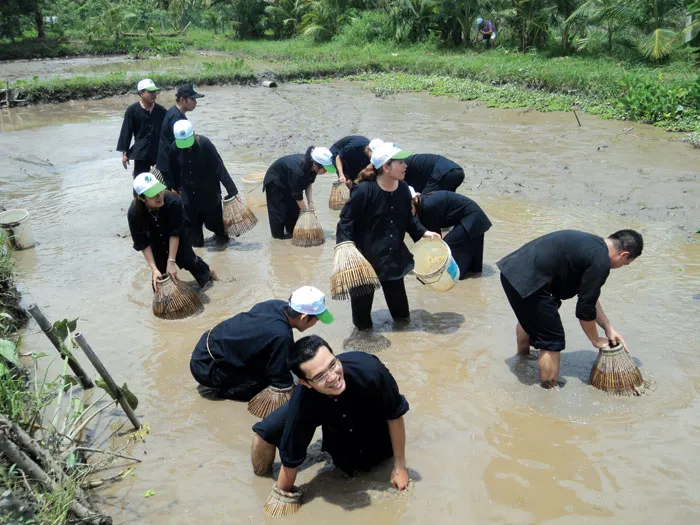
(39, 20)
(565, 39)
(609, 37)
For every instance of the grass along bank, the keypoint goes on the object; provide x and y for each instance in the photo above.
(667, 95)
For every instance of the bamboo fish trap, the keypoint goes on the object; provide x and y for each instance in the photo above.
(174, 299)
(340, 194)
(238, 217)
(308, 231)
(155, 171)
(353, 275)
(616, 373)
(280, 503)
(269, 400)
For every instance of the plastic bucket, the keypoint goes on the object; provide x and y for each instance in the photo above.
(16, 224)
(253, 189)
(434, 264)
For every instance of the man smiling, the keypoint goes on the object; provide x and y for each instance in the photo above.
(356, 401)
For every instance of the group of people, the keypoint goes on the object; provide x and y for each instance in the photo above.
(354, 398)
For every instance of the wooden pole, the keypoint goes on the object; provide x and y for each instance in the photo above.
(577, 120)
(107, 378)
(47, 328)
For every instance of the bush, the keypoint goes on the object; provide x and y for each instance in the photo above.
(368, 27)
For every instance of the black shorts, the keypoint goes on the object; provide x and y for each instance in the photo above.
(538, 314)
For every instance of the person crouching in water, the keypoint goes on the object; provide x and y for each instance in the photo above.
(353, 398)
(445, 209)
(285, 183)
(243, 355)
(376, 219)
(197, 171)
(159, 230)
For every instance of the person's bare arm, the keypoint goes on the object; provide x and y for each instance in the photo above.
(397, 434)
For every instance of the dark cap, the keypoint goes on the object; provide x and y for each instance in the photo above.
(187, 91)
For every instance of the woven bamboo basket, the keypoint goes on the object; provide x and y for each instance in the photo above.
(280, 503)
(238, 217)
(340, 194)
(155, 171)
(308, 231)
(353, 275)
(616, 373)
(174, 299)
(269, 400)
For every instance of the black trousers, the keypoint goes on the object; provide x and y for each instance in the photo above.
(467, 251)
(396, 300)
(187, 260)
(141, 166)
(230, 384)
(450, 181)
(213, 219)
(282, 212)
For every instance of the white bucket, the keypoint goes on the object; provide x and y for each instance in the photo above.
(253, 189)
(434, 264)
(16, 224)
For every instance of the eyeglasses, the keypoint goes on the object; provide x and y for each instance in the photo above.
(323, 377)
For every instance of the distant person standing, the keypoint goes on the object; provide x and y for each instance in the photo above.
(142, 121)
(197, 171)
(185, 101)
(427, 172)
(485, 32)
(469, 223)
(285, 183)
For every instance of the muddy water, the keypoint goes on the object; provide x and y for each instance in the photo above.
(485, 443)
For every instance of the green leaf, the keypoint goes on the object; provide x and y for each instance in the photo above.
(71, 459)
(69, 382)
(149, 493)
(64, 328)
(99, 382)
(8, 351)
(130, 397)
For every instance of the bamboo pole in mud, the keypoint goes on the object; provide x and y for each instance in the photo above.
(119, 395)
(47, 328)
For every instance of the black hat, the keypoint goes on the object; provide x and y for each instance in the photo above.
(187, 91)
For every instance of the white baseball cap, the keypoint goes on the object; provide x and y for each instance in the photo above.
(324, 157)
(386, 152)
(375, 143)
(184, 133)
(146, 85)
(147, 184)
(311, 301)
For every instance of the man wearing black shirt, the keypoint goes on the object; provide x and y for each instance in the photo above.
(142, 121)
(242, 355)
(197, 171)
(557, 266)
(427, 172)
(355, 400)
(185, 101)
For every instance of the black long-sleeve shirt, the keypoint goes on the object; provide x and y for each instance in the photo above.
(351, 150)
(253, 344)
(423, 166)
(287, 174)
(355, 428)
(167, 137)
(377, 221)
(569, 261)
(144, 126)
(198, 173)
(155, 229)
(443, 209)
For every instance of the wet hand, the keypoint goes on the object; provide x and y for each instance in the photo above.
(431, 235)
(171, 269)
(125, 160)
(615, 338)
(399, 478)
(601, 342)
(156, 274)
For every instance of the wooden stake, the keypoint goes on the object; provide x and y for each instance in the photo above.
(47, 327)
(577, 120)
(107, 378)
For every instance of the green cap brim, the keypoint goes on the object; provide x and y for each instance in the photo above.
(330, 168)
(154, 88)
(325, 317)
(402, 155)
(154, 190)
(185, 143)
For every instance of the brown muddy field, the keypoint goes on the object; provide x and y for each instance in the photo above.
(485, 443)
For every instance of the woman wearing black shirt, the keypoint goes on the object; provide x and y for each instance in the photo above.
(284, 185)
(159, 231)
(376, 219)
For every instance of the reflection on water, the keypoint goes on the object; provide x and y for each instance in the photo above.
(485, 442)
